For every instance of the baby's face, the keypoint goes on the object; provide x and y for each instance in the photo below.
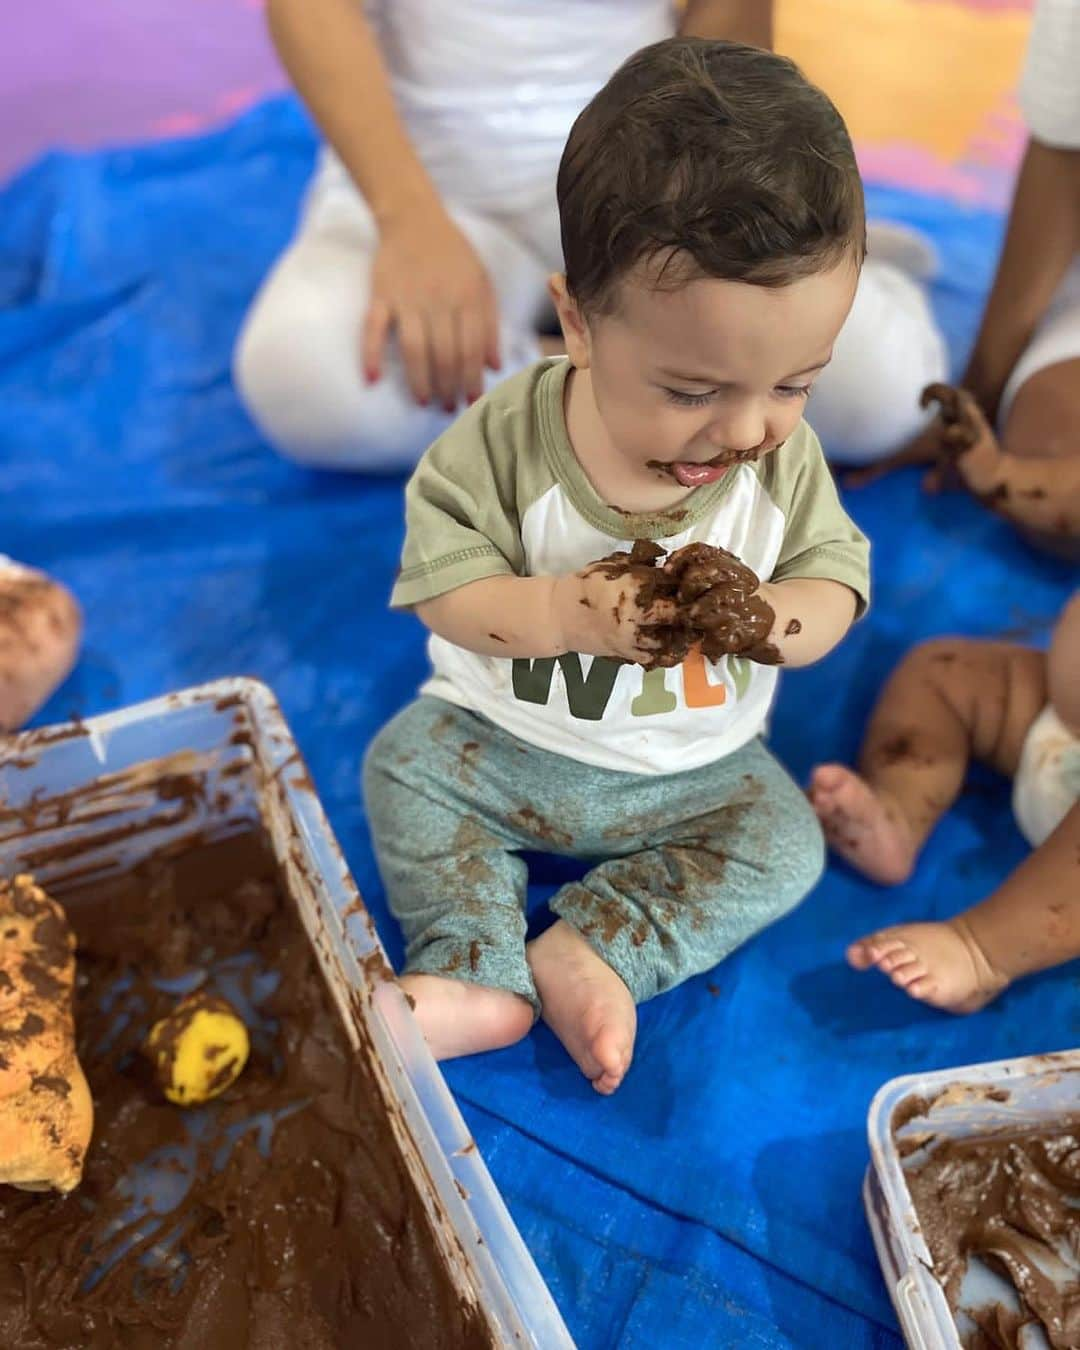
(690, 381)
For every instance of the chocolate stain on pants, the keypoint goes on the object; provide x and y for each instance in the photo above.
(689, 866)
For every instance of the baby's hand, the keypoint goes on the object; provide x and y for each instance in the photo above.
(957, 440)
(624, 609)
(964, 439)
(431, 288)
(655, 615)
(718, 597)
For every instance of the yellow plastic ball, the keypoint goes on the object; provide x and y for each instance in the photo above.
(199, 1050)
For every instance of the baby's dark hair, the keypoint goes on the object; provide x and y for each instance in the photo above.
(711, 159)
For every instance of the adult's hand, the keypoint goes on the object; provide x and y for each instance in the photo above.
(429, 286)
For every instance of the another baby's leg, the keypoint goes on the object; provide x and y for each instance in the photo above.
(947, 701)
(1063, 663)
(452, 884)
(40, 627)
(1031, 922)
(638, 925)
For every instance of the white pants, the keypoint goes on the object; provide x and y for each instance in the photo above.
(1056, 339)
(298, 367)
(1047, 781)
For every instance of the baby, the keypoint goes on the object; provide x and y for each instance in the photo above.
(1018, 711)
(606, 704)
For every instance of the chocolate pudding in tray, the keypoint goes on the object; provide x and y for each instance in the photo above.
(331, 1196)
(973, 1200)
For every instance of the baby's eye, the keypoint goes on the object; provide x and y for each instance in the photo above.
(685, 400)
(793, 390)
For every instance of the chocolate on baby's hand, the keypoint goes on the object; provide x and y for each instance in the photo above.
(957, 428)
(961, 421)
(967, 451)
(717, 603)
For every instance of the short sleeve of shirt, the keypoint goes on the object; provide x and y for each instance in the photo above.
(460, 519)
(464, 503)
(1050, 86)
(820, 538)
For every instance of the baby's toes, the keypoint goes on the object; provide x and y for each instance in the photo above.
(896, 958)
(920, 985)
(859, 955)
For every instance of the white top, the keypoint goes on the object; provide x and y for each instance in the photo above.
(489, 89)
(1050, 87)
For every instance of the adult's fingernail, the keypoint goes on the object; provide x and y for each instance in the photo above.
(449, 407)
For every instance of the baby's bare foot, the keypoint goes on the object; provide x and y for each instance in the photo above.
(862, 825)
(39, 638)
(458, 1018)
(585, 1004)
(937, 963)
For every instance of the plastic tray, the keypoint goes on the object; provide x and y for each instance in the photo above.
(232, 733)
(979, 1099)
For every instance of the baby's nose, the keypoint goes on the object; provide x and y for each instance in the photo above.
(739, 430)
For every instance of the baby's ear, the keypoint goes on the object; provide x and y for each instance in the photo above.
(574, 329)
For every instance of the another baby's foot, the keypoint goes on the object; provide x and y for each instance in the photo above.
(937, 963)
(458, 1018)
(40, 626)
(862, 825)
(585, 1004)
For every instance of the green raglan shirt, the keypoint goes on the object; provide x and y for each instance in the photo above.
(502, 493)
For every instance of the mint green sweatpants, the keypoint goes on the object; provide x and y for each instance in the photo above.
(688, 866)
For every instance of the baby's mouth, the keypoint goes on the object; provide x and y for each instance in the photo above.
(690, 474)
(696, 475)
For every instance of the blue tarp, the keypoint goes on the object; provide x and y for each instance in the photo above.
(715, 1199)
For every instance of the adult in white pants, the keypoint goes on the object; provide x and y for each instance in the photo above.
(418, 274)
(1024, 372)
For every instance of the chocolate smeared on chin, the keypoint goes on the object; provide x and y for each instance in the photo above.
(715, 596)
